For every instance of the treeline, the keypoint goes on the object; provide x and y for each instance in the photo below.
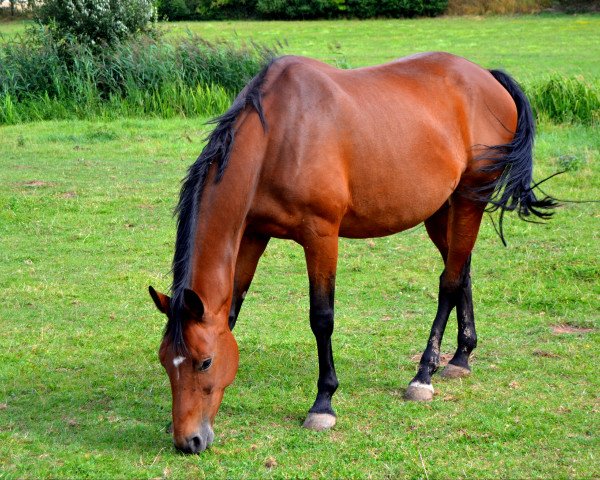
(503, 7)
(319, 9)
(313, 9)
(297, 9)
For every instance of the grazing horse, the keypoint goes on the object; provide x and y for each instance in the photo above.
(310, 153)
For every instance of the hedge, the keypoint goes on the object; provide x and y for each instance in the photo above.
(297, 9)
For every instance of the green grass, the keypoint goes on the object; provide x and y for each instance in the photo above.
(10, 28)
(529, 46)
(85, 226)
(566, 99)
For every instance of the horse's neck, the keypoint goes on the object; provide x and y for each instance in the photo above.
(221, 223)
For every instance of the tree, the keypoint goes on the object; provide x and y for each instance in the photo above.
(96, 22)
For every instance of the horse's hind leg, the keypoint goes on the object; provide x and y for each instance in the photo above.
(321, 251)
(437, 228)
(458, 366)
(251, 249)
(460, 222)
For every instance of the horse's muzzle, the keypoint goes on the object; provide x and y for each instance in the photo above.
(198, 442)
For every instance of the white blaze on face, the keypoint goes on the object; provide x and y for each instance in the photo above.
(176, 362)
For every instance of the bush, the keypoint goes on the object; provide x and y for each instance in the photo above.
(395, 8)
(173, 9)
(96, 22)
(501, 7)
(196, 9)
(563, 99)
(225, 9)
(305, 9)
(577, 6)
(145, 76)
(430, 8)
(297, 9)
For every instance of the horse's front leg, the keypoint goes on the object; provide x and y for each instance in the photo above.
(321, 259)
(251, 249)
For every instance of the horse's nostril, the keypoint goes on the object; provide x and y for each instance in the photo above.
(195, 444)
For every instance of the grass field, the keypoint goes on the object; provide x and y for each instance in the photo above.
(530, 47)
(85, 226)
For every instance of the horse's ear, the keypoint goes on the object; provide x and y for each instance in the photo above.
(193, 303)
(161, 300)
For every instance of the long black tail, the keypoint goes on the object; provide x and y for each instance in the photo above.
(513, 189)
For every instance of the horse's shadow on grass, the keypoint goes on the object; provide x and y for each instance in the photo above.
(113, 419)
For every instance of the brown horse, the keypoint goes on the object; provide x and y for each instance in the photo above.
(321, 153)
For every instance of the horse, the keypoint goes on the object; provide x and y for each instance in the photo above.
(311, 153)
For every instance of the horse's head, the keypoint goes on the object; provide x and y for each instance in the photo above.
(198, 373)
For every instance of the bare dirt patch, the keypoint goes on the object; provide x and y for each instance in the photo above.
(444, 358)
(565, 329)
(147, 206)
(542, 353)
(36, 184)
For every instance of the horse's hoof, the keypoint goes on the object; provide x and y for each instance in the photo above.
(454, 371)
(319, 421)
(419, 392)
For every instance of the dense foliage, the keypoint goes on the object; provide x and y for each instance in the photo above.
(566, 100)
(503, 7)
(41, 79)
(395, 8)
(96, 22)
(297, 9)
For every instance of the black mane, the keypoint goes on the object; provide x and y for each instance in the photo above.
(218, 151)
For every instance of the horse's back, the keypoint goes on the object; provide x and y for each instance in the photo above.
(376, 149)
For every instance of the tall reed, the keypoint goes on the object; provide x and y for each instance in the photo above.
(43, 80)
(566, 99)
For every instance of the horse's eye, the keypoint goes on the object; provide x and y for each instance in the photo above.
(204, 364)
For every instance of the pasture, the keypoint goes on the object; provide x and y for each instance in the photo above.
(86, 226)
(528, 46)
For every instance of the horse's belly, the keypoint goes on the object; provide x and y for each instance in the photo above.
(383, 204)
(385, 218)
